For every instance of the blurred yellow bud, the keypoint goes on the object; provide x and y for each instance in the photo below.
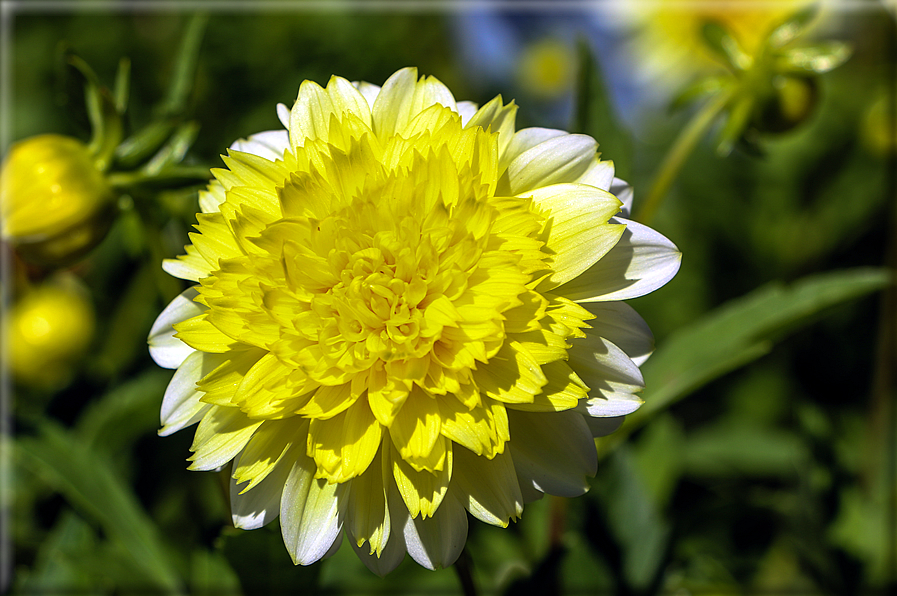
(56, 205)
(48, 330)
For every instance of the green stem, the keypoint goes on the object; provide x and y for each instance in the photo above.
(679, 152)
(464, 568)
(180, 175)
(557, 522)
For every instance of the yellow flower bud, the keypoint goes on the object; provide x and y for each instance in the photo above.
(55, 203)
(48, 330)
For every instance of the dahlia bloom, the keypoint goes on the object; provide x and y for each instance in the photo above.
(405, 310)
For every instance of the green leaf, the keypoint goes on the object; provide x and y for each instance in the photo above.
(793, 26)
(740, 448)
(721, 42)
(174, 150)
(211, 575)
(131, 410)
(59, 566)
(144, 143)
(818, 58)
(185, 66)
(105, 119)
(737, 333)
(88, 481)
(634, 520)
(130, 321)
(595, 116)
(658, 457)
(122, 85)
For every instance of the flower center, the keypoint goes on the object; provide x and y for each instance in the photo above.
(388, 276)
(379, 302)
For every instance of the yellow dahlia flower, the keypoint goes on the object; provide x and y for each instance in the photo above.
(406, 310)
(669, 44)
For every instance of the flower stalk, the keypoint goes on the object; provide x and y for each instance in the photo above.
(675, 158)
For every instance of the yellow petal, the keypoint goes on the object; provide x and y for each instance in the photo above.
(328, 401)
(512, 376)
(370, 520)
(267, 447)
(423, 490)
(415, 429)
(403, 97)
(483, 429)
(200, 334)
(311, 114)
(344, 446)
(577, 232)
(220, 436)
(267, 390)
(220, 385)
(488, 488)
(562, 392)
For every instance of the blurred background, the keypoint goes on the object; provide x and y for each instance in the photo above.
(764, 458)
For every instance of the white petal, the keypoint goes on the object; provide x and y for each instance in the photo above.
(619, 323)
(180, 405)
(623, 191)
(167, 350)
(488, 488)
(261, 504)
(596, 360)
(310, 518)
(394, 551)
(467, 109)
(335, 546)
(269, 144)
(612, 377)
(553, 451)
(529, 492)
(368, 91)
(392, 554)
(600, 174)
(559, 159)
(610, 405)
(283, 114)
(524, 140)
(642, 261)
(599, 427)
(436, 542)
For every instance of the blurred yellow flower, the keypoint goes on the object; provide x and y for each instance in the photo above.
(546, 68)
(406, 310)
(669, 43)
(47, 330)
(53, 200)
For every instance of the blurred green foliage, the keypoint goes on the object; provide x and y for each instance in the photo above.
(762, 461)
